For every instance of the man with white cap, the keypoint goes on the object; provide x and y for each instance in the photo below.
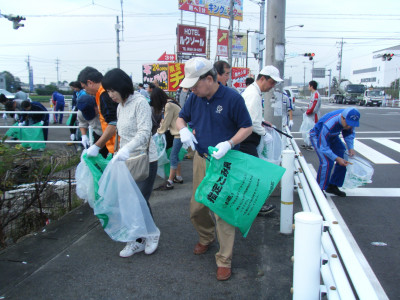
(329, 147)
(219, 118)
(267, 78)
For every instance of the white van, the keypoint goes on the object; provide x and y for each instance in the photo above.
(294, 90)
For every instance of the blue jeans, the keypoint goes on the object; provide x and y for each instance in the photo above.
(59, 117)
(174, 156)
(146, 186)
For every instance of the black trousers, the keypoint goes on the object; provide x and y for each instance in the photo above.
(249, 145)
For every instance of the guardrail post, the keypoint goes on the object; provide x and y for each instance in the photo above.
(287, 183)
(307, 256)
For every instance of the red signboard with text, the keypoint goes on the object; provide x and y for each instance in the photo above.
(176, 73)
(191, 39)
(239, 76)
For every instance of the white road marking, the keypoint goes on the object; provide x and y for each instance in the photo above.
(371, 154)
(373, 192)
(388, 143)
(360, 256)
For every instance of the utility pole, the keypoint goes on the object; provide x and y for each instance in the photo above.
(339, 67)
(58, 73)
(230, 38)
(261, 41)
(209, 38)
(275, 50)
(329, 86)
(30, 74)
(117, 27)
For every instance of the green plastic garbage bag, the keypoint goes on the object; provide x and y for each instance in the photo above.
(97, 165)
(28, 134)
(236, 186)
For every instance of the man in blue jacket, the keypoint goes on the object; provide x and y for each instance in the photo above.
(330, 149)
(30, 119)
(59, 101)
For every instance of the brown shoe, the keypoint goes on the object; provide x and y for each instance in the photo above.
(200, 249)
(223, 273)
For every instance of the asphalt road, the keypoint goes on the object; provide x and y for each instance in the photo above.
(372, 211)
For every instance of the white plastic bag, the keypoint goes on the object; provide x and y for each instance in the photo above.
(358, 173)
(307, 124)
(121, 208)
(84, 182)
(271, 151)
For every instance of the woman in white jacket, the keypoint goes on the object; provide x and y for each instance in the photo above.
(134, 129)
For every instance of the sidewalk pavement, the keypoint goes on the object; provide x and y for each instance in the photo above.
(73, 258)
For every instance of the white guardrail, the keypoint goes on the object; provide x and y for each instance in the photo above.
(322, 251)
(50, 113)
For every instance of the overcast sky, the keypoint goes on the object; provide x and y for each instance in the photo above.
(82, 32)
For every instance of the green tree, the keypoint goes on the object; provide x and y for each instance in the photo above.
(10, 81)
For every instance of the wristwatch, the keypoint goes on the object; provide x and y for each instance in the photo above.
(232, 144)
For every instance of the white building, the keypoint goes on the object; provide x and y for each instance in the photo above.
(371, 70)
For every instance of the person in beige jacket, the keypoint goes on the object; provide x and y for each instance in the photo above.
(169, 109)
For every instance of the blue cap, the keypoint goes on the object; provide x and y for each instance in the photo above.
(86, 105)
(352, 116)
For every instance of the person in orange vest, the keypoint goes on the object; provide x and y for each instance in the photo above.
(90, 79)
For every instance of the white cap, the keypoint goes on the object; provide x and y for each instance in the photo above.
(194, 68)
(272, 72)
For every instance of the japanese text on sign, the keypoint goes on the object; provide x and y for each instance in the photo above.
(176, 73)
(157, 72)
(191, 39)
(218, 8)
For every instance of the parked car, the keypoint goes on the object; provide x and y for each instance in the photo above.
(291, 96)
(6, 93)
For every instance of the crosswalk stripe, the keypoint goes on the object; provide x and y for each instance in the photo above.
(388, 143)
(371, 154)
(373, 192)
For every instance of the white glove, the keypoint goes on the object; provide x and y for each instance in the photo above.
(41, 122)
(5, 116)
(291, 123)
(16, 117)
(93, 150)
(223, 148)
(267, 138)
(21, 124)
(72, 137)
(122, 155)
(85, 141)
(187, 138)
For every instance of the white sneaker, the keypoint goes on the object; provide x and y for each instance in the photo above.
(151, 244)
(131, 248)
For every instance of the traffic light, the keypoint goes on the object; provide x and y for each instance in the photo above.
(309, 55)
(387, 56)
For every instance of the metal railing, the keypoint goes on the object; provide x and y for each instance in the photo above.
(341, 271)
(50, 113)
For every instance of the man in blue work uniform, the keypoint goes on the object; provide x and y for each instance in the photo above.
(30, 119)
(219, 118)
(329, 147)
(59, 101)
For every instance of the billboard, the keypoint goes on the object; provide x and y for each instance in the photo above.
(191, 39)
(176, 73)
(239, 76)
(218, 8)
(239, 44)
(157, 72)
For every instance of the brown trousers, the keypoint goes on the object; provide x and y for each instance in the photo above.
(203, 222)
